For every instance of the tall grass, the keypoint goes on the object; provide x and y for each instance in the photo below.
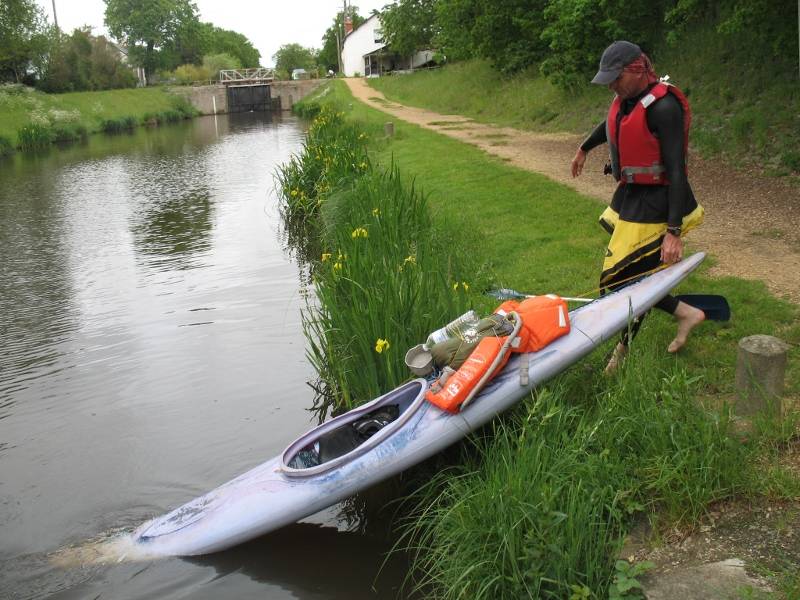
(383, 277)
(541, 509)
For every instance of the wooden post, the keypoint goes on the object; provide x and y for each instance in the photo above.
(760, 370)
(388, 129)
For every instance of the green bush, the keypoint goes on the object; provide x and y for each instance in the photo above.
(188, 74)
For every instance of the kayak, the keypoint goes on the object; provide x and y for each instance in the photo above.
(381, 438)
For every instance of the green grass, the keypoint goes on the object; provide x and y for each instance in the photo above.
(542, 500)
(25, 113)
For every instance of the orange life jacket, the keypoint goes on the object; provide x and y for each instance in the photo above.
(544, 319)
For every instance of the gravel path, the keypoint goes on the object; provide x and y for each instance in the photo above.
(752, 226)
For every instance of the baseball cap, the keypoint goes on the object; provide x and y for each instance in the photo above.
(614, 59)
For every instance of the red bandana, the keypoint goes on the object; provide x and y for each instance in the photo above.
(643, 65)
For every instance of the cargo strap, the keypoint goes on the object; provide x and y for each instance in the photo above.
(511, 341)
(524, 366)
(629, 172)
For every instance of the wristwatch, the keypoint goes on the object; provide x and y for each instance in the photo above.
(676, 231)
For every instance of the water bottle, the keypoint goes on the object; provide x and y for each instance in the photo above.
(466, 321)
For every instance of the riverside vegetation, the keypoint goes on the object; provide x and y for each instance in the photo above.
(32, 120)
(541, 499)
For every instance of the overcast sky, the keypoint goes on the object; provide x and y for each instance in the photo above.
(268, 24)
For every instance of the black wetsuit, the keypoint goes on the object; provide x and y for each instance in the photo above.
(641, 203)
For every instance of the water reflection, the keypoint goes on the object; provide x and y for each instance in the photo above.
(309, 560)
(174, 231)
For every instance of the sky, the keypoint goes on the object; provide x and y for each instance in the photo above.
(268, 24)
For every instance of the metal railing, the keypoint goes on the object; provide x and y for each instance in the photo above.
(246, 75)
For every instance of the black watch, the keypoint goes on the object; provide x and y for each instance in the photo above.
(676, 231)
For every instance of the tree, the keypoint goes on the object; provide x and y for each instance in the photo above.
(145, 26)
(224, 41)
(23, 38)
(328, 56)
(81, 61)
(294, 56)
(409, 25)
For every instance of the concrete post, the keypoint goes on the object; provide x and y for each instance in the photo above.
(388, 129)
(760, 370)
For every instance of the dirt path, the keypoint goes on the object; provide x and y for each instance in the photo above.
(752, 226)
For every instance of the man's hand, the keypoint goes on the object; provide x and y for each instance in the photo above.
(671, 249)
(577, 162)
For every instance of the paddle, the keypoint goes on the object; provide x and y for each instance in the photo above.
(715, 307)
(509, 294)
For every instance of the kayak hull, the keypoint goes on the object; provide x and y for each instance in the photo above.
(274, 494)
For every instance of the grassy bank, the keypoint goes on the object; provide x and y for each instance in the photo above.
(30, 119)
(539, 505)
(749, 116)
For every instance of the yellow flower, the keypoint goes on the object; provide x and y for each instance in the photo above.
(363, 165)
(294, 193)
(465, 285)
(381, 345)
(337, 266)
(455, 286)
(362, 136)
(359, 232)
(376, 212)
(325, 256)
(412, 258)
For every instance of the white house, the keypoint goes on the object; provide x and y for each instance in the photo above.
(365, 53)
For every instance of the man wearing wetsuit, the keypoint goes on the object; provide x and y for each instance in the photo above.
(647, 130)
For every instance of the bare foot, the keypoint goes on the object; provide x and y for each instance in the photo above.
(619, 354)
(688, 318)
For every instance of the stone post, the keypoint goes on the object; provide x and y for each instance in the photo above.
(760, 369)
(388, 129)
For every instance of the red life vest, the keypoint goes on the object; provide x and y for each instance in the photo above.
(635, 152)
(543, 319)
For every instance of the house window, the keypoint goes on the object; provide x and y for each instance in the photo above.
(378, 36)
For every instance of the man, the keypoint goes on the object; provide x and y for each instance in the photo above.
(647, 129)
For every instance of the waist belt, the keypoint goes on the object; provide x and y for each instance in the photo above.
(629, 172)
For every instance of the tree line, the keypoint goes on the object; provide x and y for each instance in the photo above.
(565, 38)
(161, 36)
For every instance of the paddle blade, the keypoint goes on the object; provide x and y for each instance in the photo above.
(505, 294)
(715, 307)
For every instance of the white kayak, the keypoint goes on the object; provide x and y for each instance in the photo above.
(382, 438)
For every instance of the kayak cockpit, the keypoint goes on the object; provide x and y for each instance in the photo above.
(347, 436)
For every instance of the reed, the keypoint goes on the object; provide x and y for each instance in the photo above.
(35, 136)
(6, 147)
(383, 277)
(119, 124)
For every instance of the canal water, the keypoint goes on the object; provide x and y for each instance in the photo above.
(151, 349)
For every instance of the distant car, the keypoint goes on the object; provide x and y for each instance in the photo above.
(300, 74)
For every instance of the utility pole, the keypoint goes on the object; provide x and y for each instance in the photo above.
(55, 18)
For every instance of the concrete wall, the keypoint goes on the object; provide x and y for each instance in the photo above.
(290, 92)
(287, 92)
(202, 97)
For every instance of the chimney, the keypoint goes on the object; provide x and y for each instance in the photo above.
(348, 25)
